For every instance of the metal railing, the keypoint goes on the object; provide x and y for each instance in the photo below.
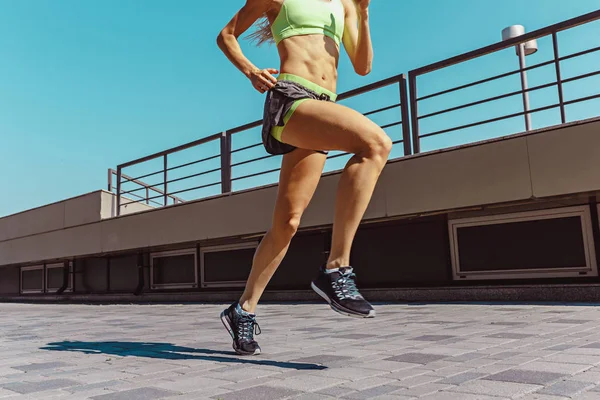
(410, 120)
(558, 82)
(225, 153)
(145, 187)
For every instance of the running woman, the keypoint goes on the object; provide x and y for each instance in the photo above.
(302, 121)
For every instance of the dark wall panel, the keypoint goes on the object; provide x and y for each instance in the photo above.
(91, 275)
(404, 254)
(302, 262)
(549, 243)
(123, 273)
(230, 265)
(9, 280)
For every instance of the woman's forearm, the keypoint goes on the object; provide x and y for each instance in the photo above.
(230, 46)
(364, 47)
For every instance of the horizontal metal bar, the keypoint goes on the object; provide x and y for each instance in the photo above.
(371, 87)
(244, 127)
(390, 125)
(587, 98)
(578, 77)
(382, 109)
(143, 176)
(194, 175)
(197, 187)
(173, 150)
(479, 82)
(252, 160)
(194, 162)
(581, 53)
(256, 174)
(487, 121)
(509, 43)
(337, 155)
(489, 99)
(246, 148)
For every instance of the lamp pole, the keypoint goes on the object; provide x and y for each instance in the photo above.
(523, 50)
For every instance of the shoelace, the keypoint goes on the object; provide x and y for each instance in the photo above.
(345, 287)
(247, 327)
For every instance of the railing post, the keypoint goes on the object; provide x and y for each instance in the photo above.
(405, 115)
(119, 173)
(147, 195)
(166, 179)
(225, 162)
(561, 101)
(414, 113)
(110, 175)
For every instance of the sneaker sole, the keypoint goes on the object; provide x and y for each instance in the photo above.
(339, 309)
(227, 324)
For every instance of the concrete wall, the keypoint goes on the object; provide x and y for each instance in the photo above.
(511, 169)
(79, 210)
(109, 206)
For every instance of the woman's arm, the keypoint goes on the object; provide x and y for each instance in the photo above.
(227, 41)
(357, 35)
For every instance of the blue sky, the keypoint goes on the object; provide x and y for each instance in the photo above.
(86, 85)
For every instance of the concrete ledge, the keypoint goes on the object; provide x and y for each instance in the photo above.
(574, 293)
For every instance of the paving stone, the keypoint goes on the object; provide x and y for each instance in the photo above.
(99, 385)
(33, 387)
(509, 335)
(558, 368)
(423, 390)
(322, 359)
(355, 336)
(565, 388)
(432, 338)
(461, 378)
(41, 366)
(525, 376)
(574, 359)
(371, 393)
(336, 391)
(313, 396)
(146, 393)
(364, 384)
(308, 383)
(495, 388)
(571, 321)
(462, 396)
(259, 393)
(587, 376)
(416, 358)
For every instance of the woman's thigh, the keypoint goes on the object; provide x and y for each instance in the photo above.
(322, 125)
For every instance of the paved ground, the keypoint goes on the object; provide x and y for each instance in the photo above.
(432, 352)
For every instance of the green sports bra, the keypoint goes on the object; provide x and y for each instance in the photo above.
(308, 17)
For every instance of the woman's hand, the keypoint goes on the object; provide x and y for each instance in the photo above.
(362, 5)
(262, 79)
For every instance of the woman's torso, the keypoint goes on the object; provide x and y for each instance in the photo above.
(312, 56)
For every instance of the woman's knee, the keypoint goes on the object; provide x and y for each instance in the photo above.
(378, 146)
(285, 228)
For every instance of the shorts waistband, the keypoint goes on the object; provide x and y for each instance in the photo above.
(307, 84)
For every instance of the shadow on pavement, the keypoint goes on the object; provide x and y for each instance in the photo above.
(169, 351)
